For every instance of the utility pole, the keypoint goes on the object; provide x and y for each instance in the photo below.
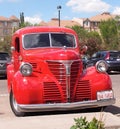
(59, 8)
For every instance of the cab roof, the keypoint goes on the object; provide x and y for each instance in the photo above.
(37, 29)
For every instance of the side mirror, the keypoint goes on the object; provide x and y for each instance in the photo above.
(84, 49)
(12, 48)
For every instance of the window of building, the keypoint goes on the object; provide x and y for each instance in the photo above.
(5, 23)
(86, 23)
(14, 24)
(5, 31)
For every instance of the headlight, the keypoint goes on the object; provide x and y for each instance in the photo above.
(26, 69)
(101, 66)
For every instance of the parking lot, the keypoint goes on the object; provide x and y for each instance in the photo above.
(57, 120)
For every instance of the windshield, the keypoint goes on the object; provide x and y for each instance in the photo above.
(48, 40)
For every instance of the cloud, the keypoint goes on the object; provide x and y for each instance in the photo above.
(88, 5)
(116, 10)
(33, 20)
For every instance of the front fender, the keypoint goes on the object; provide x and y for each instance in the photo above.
(10, 74)
(27, 89)
(98, 81)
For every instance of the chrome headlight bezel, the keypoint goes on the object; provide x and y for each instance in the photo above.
(26, 69)
(101, 66)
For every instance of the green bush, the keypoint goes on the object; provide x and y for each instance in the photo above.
(82, 123)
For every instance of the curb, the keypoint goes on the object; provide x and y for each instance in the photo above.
(113, 127)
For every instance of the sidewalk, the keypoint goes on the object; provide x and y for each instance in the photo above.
(57, 121)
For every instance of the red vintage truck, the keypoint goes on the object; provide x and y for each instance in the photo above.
(46, 73)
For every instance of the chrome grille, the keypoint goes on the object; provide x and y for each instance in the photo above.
(83, 91)
(72, 88)
(75, 72)
(51, 93)
(59, 72)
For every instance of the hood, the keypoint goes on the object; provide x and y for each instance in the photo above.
(51, 54)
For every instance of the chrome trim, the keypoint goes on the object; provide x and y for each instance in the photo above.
(64, 106)
(97, 66)
(21, 67)
(67, 64)
(49, 33)
(64, 61)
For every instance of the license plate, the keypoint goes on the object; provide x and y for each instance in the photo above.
(103, 95)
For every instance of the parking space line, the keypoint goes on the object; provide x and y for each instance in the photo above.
(2, 95)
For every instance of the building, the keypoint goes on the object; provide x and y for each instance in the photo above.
(92, 23)
(7, 26)
(63, 23)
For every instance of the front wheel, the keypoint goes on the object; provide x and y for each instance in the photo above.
(14, 106)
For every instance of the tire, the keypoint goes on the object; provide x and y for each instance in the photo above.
(14, 107)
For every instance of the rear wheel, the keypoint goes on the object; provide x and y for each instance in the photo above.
(14, 106)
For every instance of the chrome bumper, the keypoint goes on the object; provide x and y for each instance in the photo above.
(64, 106)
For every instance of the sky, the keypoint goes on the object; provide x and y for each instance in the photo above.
(36, 11)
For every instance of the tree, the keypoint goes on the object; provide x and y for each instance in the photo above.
(91, 39)
(22, 20)
(82, 33)
(25, 24)
(5, 44)
(109, 33)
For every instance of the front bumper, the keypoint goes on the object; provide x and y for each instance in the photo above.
(64, 106)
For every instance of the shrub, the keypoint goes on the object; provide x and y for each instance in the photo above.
(82, 123)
